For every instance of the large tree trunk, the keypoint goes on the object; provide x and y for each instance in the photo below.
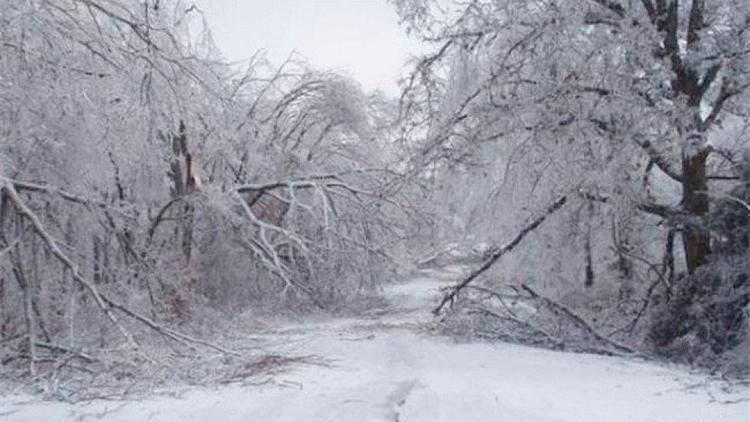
(696, 237)
(693, 86)
(185, 180)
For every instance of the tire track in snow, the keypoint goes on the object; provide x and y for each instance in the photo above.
(397, 399)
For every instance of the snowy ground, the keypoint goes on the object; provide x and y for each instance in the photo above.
(387, 367)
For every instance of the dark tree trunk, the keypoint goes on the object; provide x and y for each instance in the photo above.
(695, 238)
(589, 259)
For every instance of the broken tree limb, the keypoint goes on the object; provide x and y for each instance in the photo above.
(53, 190)
(451, 296)
(24, 210)
(267, 251)
(553, 341)
(104, 303)
(577, 320)
(62, 349)
(177, 336)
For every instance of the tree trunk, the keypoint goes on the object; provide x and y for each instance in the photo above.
(184, 181)
(27, 293)
(589, 259)
(695, 237)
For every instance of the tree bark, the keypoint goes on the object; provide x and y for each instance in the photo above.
(696, 237)
(182, 184)
(688, 83)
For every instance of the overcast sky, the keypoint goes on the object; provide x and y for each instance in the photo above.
(361, 38)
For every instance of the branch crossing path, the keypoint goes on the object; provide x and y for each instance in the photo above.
(388, 365)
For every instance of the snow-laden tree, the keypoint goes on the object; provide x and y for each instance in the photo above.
(144, 179)
(636, 111)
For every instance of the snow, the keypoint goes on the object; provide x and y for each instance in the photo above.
(390, 367)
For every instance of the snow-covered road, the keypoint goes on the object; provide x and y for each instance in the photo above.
(385, 367)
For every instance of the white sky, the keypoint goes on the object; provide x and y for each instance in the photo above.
(361, 38)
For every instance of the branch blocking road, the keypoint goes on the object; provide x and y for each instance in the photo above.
(450, 297)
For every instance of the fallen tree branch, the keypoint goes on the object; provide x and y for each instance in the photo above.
(58, 253)
(451, 296)
(307, 182)
(275, 262)
(168, 332)
(103, 302)
(35, 187)
(555, 342)
(577, 320)
(605, 344)
(65, 350)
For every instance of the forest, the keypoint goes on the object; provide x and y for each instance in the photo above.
(580, 170)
